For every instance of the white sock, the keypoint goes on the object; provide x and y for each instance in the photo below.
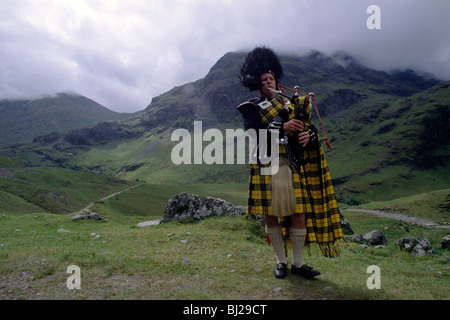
(298, 237)
(276, 240)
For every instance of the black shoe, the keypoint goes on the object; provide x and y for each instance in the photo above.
(280, 270)
(305, 271)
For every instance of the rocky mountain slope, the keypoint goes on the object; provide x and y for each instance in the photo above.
(24, 119)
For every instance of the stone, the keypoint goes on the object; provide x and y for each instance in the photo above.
(148, 223)
(357, 238)
(445, 243)
(416, 246)
(277, 290)
(374, 238)
(62, 230)
(185, 260)
(346, 227)
(87, 214)
(191, 206)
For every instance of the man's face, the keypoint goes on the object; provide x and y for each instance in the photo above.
(267, 81)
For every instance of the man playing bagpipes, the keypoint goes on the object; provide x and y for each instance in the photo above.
(298, 201)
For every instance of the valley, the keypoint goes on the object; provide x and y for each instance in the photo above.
(389, 134)
(390, 151)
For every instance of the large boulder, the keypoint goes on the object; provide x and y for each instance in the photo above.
(416, 246)
(87, 214)
(185, 205)
(375, 238)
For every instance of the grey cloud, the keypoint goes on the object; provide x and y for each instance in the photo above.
(122, 54)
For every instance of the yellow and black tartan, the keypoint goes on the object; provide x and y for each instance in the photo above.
(314, 191)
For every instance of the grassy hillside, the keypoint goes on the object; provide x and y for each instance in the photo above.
(25, 189)
(388, 150)
(53, 190)
(176, 260)
(434, 205)
(23, 120)
(380, 151)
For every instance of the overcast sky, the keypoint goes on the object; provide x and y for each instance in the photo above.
(122, 53)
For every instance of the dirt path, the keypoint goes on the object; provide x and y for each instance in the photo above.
(401, 217)
(110, 196)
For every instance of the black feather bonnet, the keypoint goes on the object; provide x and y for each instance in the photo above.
(260, 60)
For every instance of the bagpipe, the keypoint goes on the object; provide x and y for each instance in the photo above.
(300, 113)
(294, 148)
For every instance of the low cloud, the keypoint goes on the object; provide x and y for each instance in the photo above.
(122, 54)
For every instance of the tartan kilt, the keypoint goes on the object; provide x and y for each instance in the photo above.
(315, 198)
(260, 189)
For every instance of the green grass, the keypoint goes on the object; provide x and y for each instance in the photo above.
(12, 203)
(432, 205)
(54, 190)
(392, 182)
(217, 258)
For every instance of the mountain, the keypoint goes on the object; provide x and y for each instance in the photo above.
(338, 82)
(388, 149)
(24, 119)
(389, 131)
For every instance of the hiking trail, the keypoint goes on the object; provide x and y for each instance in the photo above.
(402, 217)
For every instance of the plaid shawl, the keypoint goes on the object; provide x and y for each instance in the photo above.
(314, 191)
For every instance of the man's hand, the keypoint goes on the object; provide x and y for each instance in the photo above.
(293, 126)
(303, 138)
